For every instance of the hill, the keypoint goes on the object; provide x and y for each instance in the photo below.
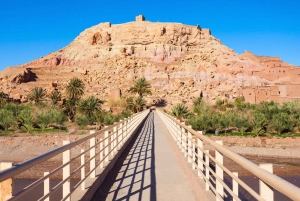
(181, 62)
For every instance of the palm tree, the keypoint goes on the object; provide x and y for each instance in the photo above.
(37, 94)
(180, 111)
(141, 86)
(55, 96)
(89, 106)
(74, 89)
(139, 104)
(3, 98)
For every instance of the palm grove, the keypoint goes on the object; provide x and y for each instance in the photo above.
(241, 118)
(50, 112)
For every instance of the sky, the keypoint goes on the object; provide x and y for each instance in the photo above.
(30, 29)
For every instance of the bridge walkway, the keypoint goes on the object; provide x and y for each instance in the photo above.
(148, 169)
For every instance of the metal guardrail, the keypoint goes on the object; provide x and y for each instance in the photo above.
(115, 137)
(190, 142)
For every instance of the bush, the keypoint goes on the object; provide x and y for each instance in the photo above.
(7, 119)
(82, 120)
(110, 119)
(26, 119)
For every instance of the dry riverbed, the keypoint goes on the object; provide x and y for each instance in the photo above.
(284, 153)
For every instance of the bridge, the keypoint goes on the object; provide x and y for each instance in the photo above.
(148, 156)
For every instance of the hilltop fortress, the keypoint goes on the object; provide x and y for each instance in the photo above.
(181, 62)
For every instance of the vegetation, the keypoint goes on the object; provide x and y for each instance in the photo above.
(266, 118)
(55, 97)
(75, 89)
(180, 111)
(141, 87)
(37, 94)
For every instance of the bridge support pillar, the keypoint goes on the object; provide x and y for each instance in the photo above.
(5, 186)
(265, 191)
(219, 172)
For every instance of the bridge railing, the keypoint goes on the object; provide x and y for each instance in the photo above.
(211, 169)
(110, 140)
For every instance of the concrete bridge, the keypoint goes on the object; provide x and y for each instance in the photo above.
(149, 156)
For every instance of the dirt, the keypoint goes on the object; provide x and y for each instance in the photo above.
(284, 153)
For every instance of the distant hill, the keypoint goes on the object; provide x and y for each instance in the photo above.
(181, 62)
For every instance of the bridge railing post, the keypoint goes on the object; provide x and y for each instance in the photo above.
(46, 186)
(66, 171)
(125, 131)
(200, 155)
(194, 153)
(120, 134)
(106, 145)
(265, 190)
(183, 142)
(235, 186)
(113, 142)
(207, 169)
(101, 153)
(178, 133)
(5, 186)
(219, 171)
(189, 149)
(92, 155)
(82, 171)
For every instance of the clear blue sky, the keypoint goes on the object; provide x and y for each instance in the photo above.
(30, 28)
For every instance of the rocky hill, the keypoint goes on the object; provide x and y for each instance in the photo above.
(181, 62)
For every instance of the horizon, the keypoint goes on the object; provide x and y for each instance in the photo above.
(32, 29)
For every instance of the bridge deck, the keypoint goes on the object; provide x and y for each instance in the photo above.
(148, 169)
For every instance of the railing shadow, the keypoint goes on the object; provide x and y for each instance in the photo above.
(133, 176)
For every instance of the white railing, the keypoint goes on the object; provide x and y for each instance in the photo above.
(111, 140)
(191, 142)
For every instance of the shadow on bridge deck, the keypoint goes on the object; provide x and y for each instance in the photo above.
(148, 169)
(133, 176)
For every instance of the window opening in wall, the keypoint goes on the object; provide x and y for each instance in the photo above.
(284, 71)
(249, 93)
(279, 92)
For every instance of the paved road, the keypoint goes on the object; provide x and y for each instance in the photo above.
(148, 169)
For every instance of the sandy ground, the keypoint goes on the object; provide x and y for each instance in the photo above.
(284, 153)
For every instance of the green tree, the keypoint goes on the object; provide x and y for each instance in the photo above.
(26, 119)
(281, 122)
(55, 97)
(180, 111)
(82, 120)
(3, 98)
(37, 94)
(75, 89)
(7, 119)
(138, 104)
(43, 119)
(99, 117)
(241, 122)
(57, 117)
(88, 106)
(201, 122)
(259, 123)
(110, 119)
(141, 86)
(70, 108)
